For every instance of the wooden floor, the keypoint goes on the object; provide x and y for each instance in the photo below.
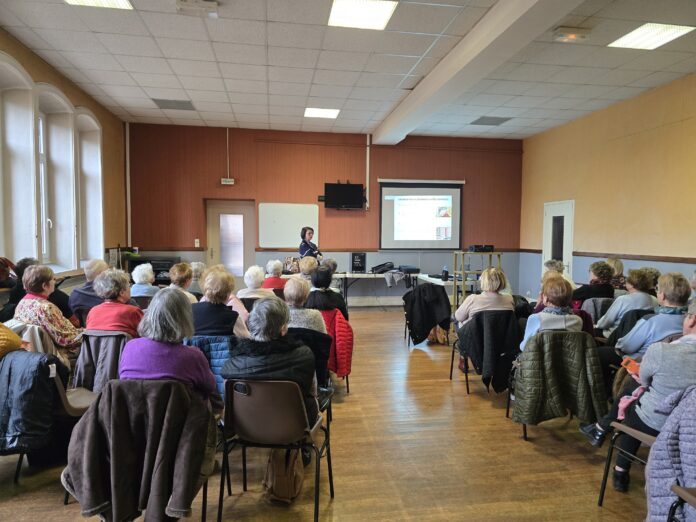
(407, 444)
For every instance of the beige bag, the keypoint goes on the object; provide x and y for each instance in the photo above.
(284, 475)
(292, 264)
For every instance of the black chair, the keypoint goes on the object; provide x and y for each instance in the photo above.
(81, 314)
(684, 495)
(248, 302)
(143, 301)
(271, 414)
(279, 293)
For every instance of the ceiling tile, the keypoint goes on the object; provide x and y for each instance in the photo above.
(213, 107)
(391, 63)
(190, 122)
(186, 49)
(9, 19)
(424, 66)
(71, 40)
(405, 43)
(117, 21)
(248, 97)
(243, 9)
(491, 100)
(39, 15)
(296, 35)
(175, 26)
(194, 68)
(248, 32)
(525, 101)
(143, 64)
(181, 114)
(130, 45)
(422, 18)
(588, 91)
(593, 105)
(343, 61)
(286, 88)
(104, 62)
(375, 93)
(143, 103)
(245, 86)
(576, 75)
(508, 87)
(124, 91)
(442, 46)
(76, 75)
(156, 80)
(249, 109)
(368, 79)
(216, 115)
(560, 54)
(656, 60)
(292, 57)
(299, 11)
(290, 101)
(276, 119)
(623, 93)
(106, 101)
(362, 105)
(161, 93)
(282, 110)
(656, 79)
(240, 53)
(159, 6)
(201, 83)
(89, 88)
(466, 20)
(244, 71)
(526, 72)
(333, 77)
(609, 57)
(208, 96)
(29, 37)
(561, 103)
(325, 102)
(290, 74)
(110, 77)
(685, 67)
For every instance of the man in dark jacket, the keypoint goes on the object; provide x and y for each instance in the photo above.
(269, 355)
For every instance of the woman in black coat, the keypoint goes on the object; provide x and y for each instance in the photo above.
(322, 297)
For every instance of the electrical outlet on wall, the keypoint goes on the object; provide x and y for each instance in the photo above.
(197, 243)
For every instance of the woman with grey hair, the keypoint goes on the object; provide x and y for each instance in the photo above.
(555, 265)
(114, 314)
(296, 293)
(274, 269)
(197, 269)
(159, 353)
(144, 276)
(269, 355)
(253, 279)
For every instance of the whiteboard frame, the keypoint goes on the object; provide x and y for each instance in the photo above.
(280, 223)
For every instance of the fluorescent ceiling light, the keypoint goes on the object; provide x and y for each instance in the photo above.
(651, 36)
(311, 112)
(111, 4)
(362, 14)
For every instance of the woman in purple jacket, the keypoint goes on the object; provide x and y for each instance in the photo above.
(159, 353)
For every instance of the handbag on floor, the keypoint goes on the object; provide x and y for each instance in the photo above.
(284, 475)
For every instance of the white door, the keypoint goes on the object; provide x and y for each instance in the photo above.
(558, 233)
(231, 231)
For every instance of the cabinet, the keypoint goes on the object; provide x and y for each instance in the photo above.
(467, 272)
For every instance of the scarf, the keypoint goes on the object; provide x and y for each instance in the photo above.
(671, 310)
(557, 310)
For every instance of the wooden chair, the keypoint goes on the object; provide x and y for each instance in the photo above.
(271, 414)
(619, 430)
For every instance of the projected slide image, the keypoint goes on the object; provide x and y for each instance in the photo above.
(422, 218)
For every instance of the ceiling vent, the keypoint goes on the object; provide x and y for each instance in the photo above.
(179, 105)
(490, 120)
(202, 8)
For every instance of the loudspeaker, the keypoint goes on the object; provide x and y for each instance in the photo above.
(357, 262)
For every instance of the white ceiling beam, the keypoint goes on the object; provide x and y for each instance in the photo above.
(508, 27)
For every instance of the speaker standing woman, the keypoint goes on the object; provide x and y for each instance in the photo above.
(307, 248)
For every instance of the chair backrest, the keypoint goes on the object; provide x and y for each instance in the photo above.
(99, 358)
(596, 307)
(248, 302)
(38, 338)
(320, 344)
(279, 293)
(265, 412)
(81, 314)
(142, 301)
(618, 292)
(216, 349)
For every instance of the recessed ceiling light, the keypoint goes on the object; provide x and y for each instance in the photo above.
(311, 112)
(111, 4)
(362, 14)
(651, 36)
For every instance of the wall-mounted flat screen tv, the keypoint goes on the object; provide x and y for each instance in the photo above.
(343, 195)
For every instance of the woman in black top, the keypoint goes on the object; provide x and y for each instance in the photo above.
(307, 248)
(213, 316)
(600, 283)
(322, 297)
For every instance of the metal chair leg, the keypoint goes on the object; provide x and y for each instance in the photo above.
(244, 477)
(673, 509)
(452, 362)
(205, 501)
(524, 432)
(466, 372)
(229, 480)
(66, 498)
(328, 462)
(347, 384)
(19, 468)
(317, 468)
(224, 471)
(607, 465)
(507, 405)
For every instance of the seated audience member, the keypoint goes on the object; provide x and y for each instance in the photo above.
(666, 368)
(296, 293)
(114, 314)
(253, 279)
(492, 281)
(554, 265)
(6, 279)
(307, 267)
(159, 353)
(197, 269)
(323, 298)
(637, 298)
(232, 301)
(274, 269)
(556, 295)
(654, 274)
(144, 276)
(673, 292)
(9, 341)
(331, 263)
(269, 355)
(618, 281)
(84, 296)
(57, 297)
(180, 276)
(600, 283)
(212, 316)
(36, 309)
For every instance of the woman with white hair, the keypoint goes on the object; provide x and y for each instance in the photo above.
(159, 353)
(253, 278)
(296, 293)
(274, 269)
(197, 269)
(213, 315)
(269, 355)
(114, 314)
(144, 276)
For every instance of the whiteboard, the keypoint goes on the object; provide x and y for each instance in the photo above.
(280, 224)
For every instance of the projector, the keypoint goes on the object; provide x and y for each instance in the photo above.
(481, 248)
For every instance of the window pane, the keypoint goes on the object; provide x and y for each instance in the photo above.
(557, 238)
(232, 242)
(43, 202)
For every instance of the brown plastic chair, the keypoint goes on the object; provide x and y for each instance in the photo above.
(270, 414)
(619, 430)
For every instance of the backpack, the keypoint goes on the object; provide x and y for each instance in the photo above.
(284, 475)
